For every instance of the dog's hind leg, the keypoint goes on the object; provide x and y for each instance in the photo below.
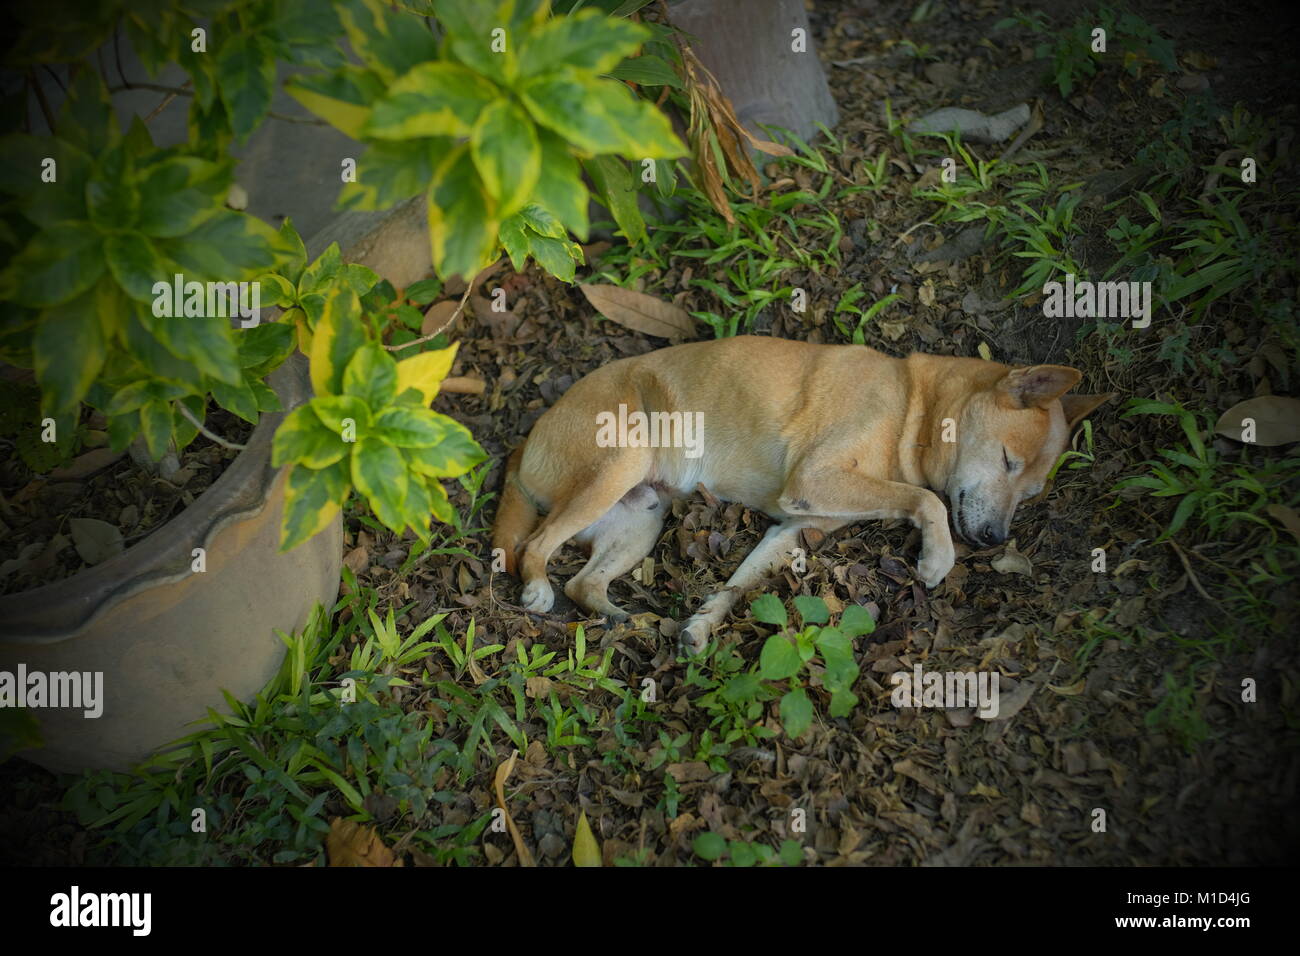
(618, 474)
(619, 540)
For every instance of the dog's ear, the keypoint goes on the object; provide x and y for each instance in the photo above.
(1038, 385)
(1077, 407)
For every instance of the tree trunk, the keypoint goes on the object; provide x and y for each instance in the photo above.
(767, 68)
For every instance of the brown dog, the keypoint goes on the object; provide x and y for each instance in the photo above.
(816, 436)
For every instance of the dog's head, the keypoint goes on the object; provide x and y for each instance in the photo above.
(1008, 438)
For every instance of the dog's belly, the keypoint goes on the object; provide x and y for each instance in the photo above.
(754, 480)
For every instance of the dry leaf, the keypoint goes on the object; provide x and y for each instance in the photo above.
(358, 559)
(438, 315)
(1276, 418)
(639, 312)
(96, 540)
(87, 464)
(1012, 561)
(350, 844)
(586, 851)
(1287, 516)
(502, 775)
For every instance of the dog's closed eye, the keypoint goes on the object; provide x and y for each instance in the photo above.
(1011, 465)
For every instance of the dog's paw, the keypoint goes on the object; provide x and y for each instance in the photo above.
(935, 564)
(537, 596)
(693, 637)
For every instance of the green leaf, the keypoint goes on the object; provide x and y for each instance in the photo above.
(553, 255)
(857, 620)
(507, 154)
(796, 712)
(424, 291)
(69, 350)
(156, 424)
(246, 81)
(320, 275)
(791, 852)
(709, 846)
(138, 266)
(462, 227)
(238, 399)
(342, 98)
(277, 290)
(180, 194)
(779, 658)
(646, 70)
(303, 439)
(229, 246)
(454, 454)
(469, 25)
(390, 171)
(540, 220)
(335, 411)
(599, 116)
(389, 44)
(86, 119)
(559, 185)
(514, 240)
(406, 427)
(812, 610)
(371, 375)
(205, 341)
(434, 99)
(22, 159)
(111, 197)
(337, 337)
(618, 192)
(312, 500)
(295, 259)
(379, 472)
(264, 347)
(439, 506)
(769, 609)
(842, 702)
(209, 129)
(56, 265)
(587, 40)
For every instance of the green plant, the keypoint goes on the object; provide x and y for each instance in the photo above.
(846, 305)
(1222, 495)
(126, 267)
(713, 847)
(259, 782)
(1072, 52)
(786, 654)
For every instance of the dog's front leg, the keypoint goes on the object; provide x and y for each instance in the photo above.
(849, 495)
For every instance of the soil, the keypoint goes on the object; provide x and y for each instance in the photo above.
(61, 521)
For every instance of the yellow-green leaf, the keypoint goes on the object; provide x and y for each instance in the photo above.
(342, 98)
(303, 439)
(337, 337)
(462, 218)
(586, 851)
(434, 99)
(425, 371)
(507, 154)
(312, 499)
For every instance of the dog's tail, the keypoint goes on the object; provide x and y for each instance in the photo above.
(516, 516)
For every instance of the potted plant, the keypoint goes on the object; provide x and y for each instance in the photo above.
(130, 300)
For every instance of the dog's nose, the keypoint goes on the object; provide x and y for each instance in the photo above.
(992, 534)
